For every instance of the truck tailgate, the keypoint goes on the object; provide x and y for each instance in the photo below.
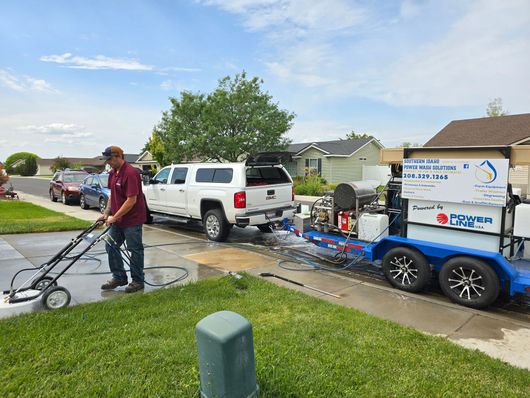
(264, 197)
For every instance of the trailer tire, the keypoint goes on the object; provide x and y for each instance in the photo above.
(56, 297)
(469, 281)
(406, 269)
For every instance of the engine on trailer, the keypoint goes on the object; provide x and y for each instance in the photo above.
(352, 210)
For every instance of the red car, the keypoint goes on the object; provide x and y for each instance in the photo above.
(65, 185)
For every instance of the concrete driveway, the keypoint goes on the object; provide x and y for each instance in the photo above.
(500, 331)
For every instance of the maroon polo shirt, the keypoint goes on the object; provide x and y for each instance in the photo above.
(124, 183)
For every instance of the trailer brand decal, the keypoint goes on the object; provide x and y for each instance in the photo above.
(464, 220)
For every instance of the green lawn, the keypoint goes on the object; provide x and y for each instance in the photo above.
(143, 345)
(23, 217)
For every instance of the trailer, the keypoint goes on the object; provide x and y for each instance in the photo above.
(450, 211)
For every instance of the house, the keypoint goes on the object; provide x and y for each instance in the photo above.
(336, 161)
(489, 131)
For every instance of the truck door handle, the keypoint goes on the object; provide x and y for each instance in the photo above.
(162, 189)
(181, 190)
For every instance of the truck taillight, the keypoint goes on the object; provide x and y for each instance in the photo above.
(240, 200)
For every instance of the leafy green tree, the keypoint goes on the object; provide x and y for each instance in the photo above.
(495, 108)
(233, 122)
(60, 163)
(353, 135)
(14, 157)
(29, 167)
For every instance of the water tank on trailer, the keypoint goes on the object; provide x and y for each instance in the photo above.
(347, 193)
(373, 227)
(522, 220)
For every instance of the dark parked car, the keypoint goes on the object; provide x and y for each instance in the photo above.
(65, 185)
(95, 192)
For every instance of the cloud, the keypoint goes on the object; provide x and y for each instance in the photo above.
(166, 85)
(98, 62)
(60, 132)
(328, 15)
(103, 62)
(25, 83)
(466, 53)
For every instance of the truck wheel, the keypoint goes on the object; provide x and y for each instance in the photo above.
(215, 225)
(56, 297)
(265, 228)
(407, 269)
(52, 196)
(469, 281)
(149, 216)
(82, 202)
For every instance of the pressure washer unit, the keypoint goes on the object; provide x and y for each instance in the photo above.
(43, 283)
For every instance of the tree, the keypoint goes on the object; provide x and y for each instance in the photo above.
(495, 108)
(59, 163)
(235, 121)
(14, 157)
(29, 167)
(353, 135)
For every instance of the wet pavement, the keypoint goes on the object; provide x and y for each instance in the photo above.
(502, 331)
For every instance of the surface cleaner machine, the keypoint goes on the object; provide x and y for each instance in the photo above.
(42, 283)
(450, 211)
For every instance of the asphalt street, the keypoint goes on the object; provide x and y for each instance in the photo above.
(31, 185)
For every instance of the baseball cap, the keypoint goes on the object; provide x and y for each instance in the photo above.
(112, 151)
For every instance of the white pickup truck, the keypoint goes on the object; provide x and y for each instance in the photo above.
(222, 195)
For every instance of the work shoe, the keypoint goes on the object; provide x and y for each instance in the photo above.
(113, 284)
(134, 287)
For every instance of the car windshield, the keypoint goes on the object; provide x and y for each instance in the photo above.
(104, 180)
(77, 177)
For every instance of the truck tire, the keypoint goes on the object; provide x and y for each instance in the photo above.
(469, 281)
(406, 269)
(215, 225)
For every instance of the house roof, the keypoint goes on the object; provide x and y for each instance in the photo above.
(131, 157)
(499, 130)
(337, 147)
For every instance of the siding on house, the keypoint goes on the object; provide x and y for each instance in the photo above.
(351, 168)
(312, 154)
(338, 169)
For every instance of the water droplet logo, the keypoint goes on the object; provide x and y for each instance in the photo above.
(442, 218)
(485, 172)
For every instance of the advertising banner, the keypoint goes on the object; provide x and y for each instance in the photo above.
(470, 217)
(481, 182)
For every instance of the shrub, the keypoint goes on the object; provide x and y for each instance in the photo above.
(14, 157)
(59, 163)
(29, 168)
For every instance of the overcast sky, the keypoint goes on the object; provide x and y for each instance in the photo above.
(77, 76)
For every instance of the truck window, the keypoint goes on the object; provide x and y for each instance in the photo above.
(266, 176)
(162, 176)
(179, 175)
(214, 175)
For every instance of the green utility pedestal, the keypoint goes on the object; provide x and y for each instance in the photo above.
(226, 356)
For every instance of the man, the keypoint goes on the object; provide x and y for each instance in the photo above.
(126, 214)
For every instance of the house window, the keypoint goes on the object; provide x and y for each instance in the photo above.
(313, 166)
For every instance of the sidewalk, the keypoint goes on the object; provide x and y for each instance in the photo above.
(501, 334)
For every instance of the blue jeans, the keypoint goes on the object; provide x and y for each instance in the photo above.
(133, 239)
